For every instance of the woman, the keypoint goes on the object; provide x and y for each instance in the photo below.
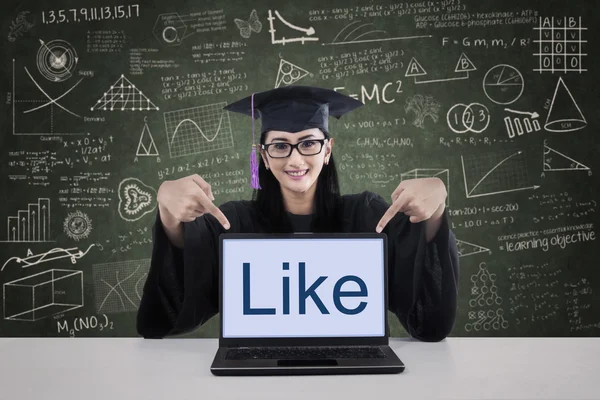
(299, 193)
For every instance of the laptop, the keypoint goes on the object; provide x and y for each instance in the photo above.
(303, 303)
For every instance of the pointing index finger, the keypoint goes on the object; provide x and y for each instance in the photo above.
(389, 214)
(218, 214)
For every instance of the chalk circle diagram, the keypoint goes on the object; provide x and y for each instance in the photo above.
(136, 199)
(169, 29)
(77, 225)
(487, 320)
(487, 292)
(56, 60)
(503, 84)
(564, 114)
(463, 118)
(289, 73)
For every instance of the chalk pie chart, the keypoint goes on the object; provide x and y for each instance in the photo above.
(503, 84)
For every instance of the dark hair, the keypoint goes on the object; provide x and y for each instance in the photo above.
(271, 209)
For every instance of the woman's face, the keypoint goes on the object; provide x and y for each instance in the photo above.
(297, 173)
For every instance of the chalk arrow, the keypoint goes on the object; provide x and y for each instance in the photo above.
(533, 114)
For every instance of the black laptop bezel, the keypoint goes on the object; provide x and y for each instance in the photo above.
(303, 341)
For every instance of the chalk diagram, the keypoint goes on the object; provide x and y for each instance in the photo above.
(19, 26)
(463, 118)
(31, 224)
(124, 96)
(146, 146)
(198, 129)
(468, 249)
(56, 60)
(35, 100)
(495, 173)
(503, 84)
(306, 34)
(56, 253)
(136, 199)
(554, 161)
(170, 28)
(564, 114)
(289, 73)
(77, 225)
(560, 45)
(356, 34)
(119, 285)
(484, 293)
(523, 122)
(246, 27)
(442, 173)
(42, 295)
(422, 107)
(463, 67)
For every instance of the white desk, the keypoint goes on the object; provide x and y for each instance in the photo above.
(457, 368)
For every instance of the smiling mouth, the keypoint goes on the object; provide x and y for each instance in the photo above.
(301, 173)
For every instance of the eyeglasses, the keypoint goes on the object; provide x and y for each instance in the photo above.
(309, 147)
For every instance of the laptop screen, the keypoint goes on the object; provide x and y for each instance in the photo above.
(303, 287)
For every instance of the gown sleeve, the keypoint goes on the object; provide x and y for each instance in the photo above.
(181, 291)
(422, 276)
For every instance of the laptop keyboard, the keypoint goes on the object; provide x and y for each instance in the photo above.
(319, 352)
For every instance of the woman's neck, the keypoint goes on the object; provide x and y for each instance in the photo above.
(299, 203)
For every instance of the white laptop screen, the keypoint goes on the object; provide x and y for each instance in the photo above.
(317, 287)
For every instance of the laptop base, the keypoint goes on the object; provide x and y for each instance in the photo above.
(391, 364)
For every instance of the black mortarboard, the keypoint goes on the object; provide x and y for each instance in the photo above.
(292, 109)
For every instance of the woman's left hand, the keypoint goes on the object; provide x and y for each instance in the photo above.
(418, 198)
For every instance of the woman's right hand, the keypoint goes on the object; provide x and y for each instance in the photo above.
(188, 198)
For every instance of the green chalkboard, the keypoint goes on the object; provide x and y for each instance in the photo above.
(107, 100)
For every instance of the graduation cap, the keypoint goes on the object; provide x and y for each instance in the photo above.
(292, 109)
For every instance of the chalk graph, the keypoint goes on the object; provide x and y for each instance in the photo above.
(304, 34)
(198, 129)
(56, 253)
(38, 110)
(495, 173)
(119, 285)
(30, 224)
(354, 33)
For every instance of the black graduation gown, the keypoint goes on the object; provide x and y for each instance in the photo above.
(181, 291)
